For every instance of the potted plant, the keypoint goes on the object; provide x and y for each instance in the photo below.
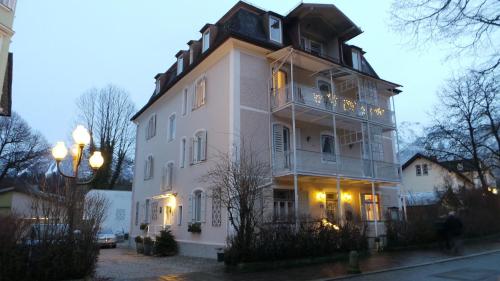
(220, 254)
(148, 246)
(143, 226)
(194, 227)
(139, 246)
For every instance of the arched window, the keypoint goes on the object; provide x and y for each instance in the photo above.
(182, 160)
(197, 209)
(171, 127)
(149, 167)
(168, 176)
(199, 147)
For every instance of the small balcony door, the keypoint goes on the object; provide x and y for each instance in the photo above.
(325, 89)
(281, 146)
(332, 207)
(280, 86)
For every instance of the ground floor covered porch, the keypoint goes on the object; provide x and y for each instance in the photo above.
(336, 200)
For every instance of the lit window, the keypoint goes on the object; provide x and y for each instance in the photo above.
(148, 168)
(184, 102)
(418, 170)
(151, 127)
(275, 29)
(180, 64)
(199, 93)
(371, 213)
(206, 41)
(356, 59)
(199, 147)
(171, 127)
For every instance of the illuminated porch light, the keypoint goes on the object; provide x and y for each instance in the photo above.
(320, 196)
(346, 197)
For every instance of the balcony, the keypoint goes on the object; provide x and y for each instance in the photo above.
(317, 163)
(313, 97)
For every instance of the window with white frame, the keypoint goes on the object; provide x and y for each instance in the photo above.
(171, 127)
(216, 211)
(418, 170)
(146, 211)
(157, 86)
(327, 147)
(314, 47)
(168, 176)
(199, 147)
(182, 160)
(151, 127)
(371, 206)
(184, 102)
(205, 41)
(180, 64)
(356, 59)
(179, 215)
(199, 93)
(197, 200)
(275, 31)
(283, 205)
(148, 168)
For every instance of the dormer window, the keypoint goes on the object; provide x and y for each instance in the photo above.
(356, 59)
(206, 41)
(311, 46)
(191, 54)
(275, 29)
(157, 87)
(180, 64)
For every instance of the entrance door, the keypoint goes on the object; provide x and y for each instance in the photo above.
(167, 216)
(332, 206)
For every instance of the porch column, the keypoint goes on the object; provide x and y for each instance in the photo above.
(295, 178)
(400, 168)
(375, 209)
(339, 202)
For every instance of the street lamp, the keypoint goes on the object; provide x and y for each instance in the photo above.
(81, 136)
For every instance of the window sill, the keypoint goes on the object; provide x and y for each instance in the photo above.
(197, 163)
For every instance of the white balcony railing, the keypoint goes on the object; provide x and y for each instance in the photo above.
(313, 97)
(312, 162)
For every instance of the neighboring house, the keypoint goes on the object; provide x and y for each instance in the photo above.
(7, 9)
(117, 217)
(291, 87)
(422, 175)
(21, 199)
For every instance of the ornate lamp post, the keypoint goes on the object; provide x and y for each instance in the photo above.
(81, 137)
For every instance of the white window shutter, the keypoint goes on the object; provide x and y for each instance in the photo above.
(203, 95)
(203, 206)
(204, 147)
(191, 152)
(191, 208)
(278, 138)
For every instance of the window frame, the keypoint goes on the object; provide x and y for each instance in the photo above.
(276, 40)
(197, 101)
(185, 95)
(328, 134)
(179, 215)
(205, 44)
(180, 64)
(197, 207)
(151, 127)
(425, 169)
(182, 157)
(199, 149)
(157, 86)
(357, 54)
(149, 167)
(418, 170)
(369, 203)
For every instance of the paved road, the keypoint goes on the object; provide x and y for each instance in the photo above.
(483, 267)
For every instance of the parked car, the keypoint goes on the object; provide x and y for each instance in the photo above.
(106, 238)
(40, 233)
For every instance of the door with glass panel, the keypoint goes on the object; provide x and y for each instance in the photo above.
(281, 147)
(325, 90)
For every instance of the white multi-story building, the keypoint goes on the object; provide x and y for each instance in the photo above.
(291, 87)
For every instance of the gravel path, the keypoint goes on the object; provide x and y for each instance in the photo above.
(125, 264)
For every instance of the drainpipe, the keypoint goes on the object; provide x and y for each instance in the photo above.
(295, 178)
(400, 168)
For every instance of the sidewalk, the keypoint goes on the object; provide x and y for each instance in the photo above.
(374, 262)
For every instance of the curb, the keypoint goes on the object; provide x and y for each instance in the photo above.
(350, 276)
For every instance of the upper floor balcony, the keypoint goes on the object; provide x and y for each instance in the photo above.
(325, 99)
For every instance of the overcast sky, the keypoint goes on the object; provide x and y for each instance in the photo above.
(62, 48)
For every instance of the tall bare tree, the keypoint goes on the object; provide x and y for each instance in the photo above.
(20, 146)
(466, 123)
(107, 112)
(236, 183)
(468, 26)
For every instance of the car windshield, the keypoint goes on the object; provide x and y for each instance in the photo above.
(105, 231)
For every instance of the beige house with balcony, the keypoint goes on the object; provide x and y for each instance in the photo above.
(7, 9)
(291, 86)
